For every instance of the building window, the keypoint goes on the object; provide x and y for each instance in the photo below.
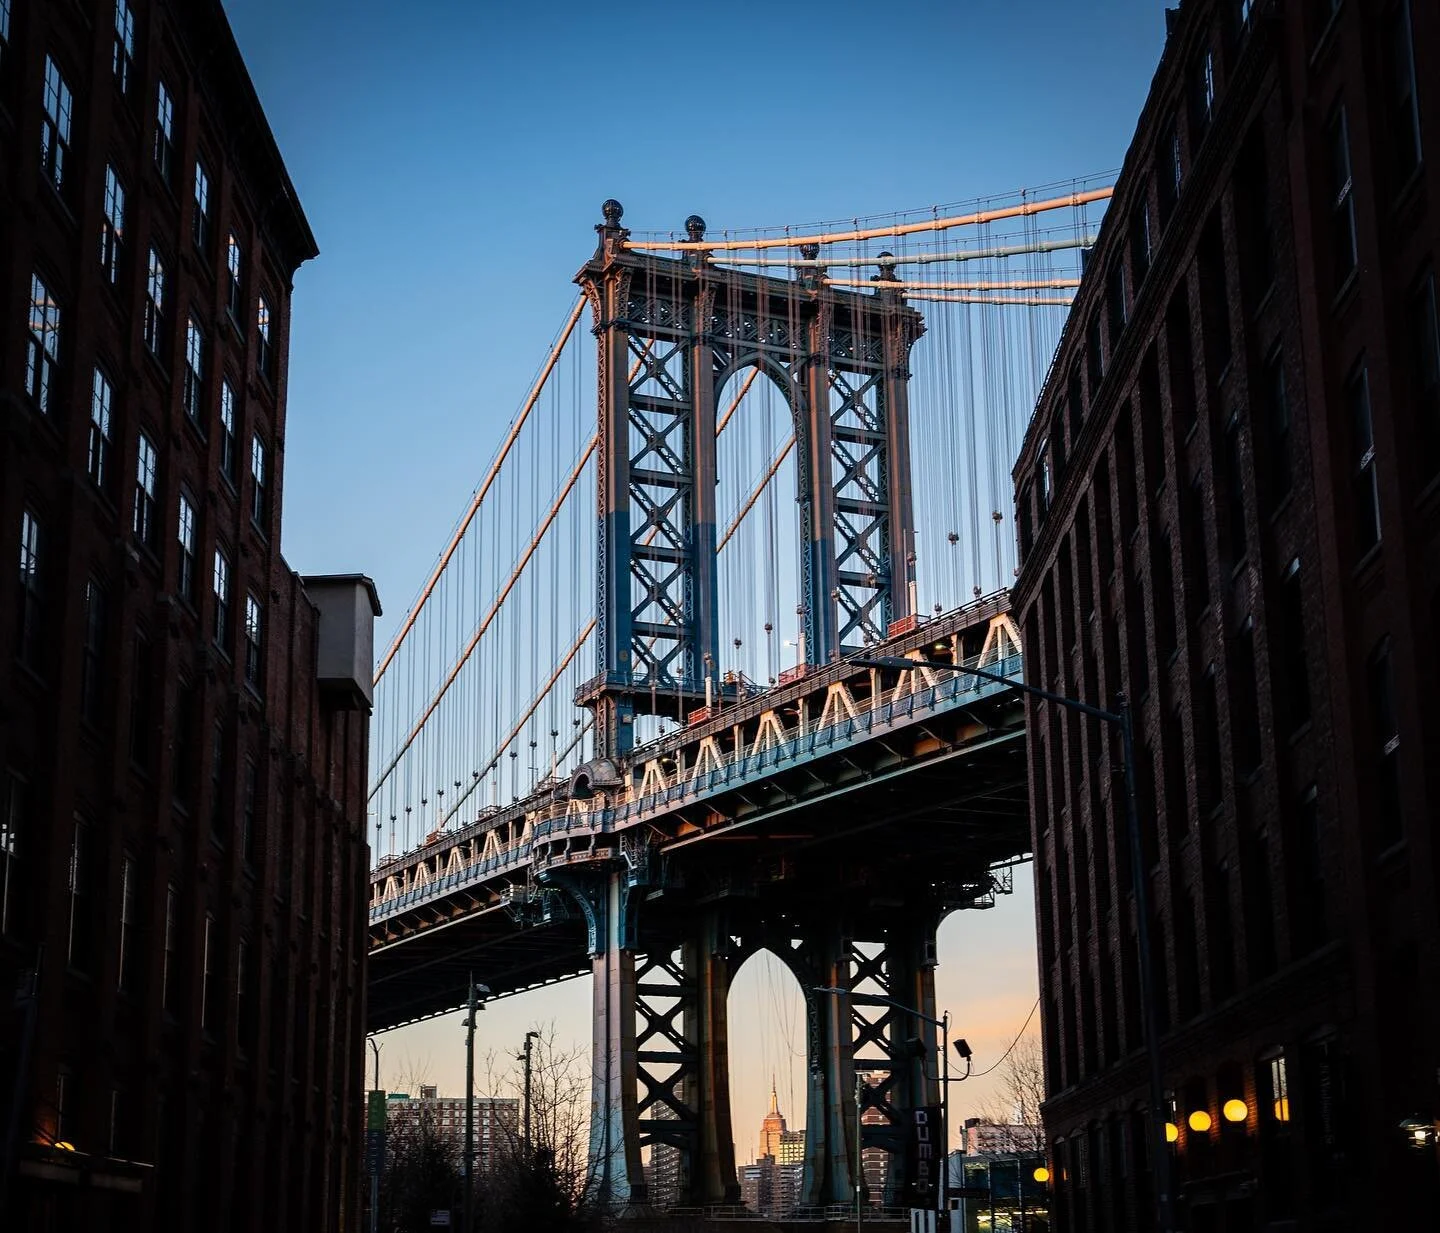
(169, 964)
(200, 221)
(77, 950)
(1094, 354)
(1244, 702)
(43, 346)
(1427, 373)
(1203, 101)
(1169, 170)
(249, 804)
(1277, 432)
(92, 659)
(185, 533)
(1404, 106)
(1287, 651)
(164, 133)
(142, 704)
(227, 431)
(264, 352)
(235, 293)
(12, 852)
(32, 609)
(1366, 484)
(194, 385)
(1140, 245)
(154, 304)
(147, 467)
(112, 227)
(1386, 727)
(4, 33)
(210, 984)
(1342, 199)
(1115, 300)
(55, 128)
(254, 642)
(126, 975)
(260, 493)
(222, 599)
(217, 778)
(123, 60)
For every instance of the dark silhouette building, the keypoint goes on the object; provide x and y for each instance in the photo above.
(183, 720)
(1229, 509)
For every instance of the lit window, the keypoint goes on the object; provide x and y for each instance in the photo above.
(92, 658)
(147, 466)
(259, 494)
(194, 384)
(164, 133)
(221, 584)
(127, 923)
(98, 454)
(124, 57)
(227, 431)
(254, 642)
(1403, 104)
(185, 533)
(155, 304)
(112, 227)
(1342, 198)
(55, 128)
(263, 352)
(31, 616)
(235, 297)
(43, 346)
(200, 222)
(1367, 488)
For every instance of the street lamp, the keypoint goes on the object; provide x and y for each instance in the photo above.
(474, 1001)
(943, 1023)
(1122, 718)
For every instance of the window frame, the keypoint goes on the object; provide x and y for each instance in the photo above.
(101, 442)
(1365, 480)
(164, 145)
(259, 481)
(80, 896)
(200, 220)
(30, 631)
(155, 294)
(221, 588)
(264, 344)
(13, 839)
(56, 124)
(122, 62)
(147, 486)
(125, 958)
(112, 226)
(235, 281)
(42, 348)
(1342, 196)
(186, 536)
(254, 643)
(228, 437)
(1403, 108)
(193, 384)
(92, 653)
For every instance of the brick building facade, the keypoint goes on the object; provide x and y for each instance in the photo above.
(1229, 509)
(183, 720)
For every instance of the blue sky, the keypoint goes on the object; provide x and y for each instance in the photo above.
(452, 158)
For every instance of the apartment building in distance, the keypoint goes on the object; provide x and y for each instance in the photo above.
(183, 720)
(1228, 505)
(496, 1122)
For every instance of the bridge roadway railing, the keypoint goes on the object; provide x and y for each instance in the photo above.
(399, 886)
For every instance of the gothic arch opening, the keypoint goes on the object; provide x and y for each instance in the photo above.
(757, 528)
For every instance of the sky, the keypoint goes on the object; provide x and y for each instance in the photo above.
(452, 157)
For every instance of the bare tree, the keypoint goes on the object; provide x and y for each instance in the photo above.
(1014, 1107)
(547, 1182)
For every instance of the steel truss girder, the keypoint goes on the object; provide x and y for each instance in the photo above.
(670, 334)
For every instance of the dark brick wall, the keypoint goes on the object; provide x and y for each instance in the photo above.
(1289, 920)
(245, 798)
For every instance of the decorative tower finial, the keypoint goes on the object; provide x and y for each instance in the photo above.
(886, 262)
(613, 212)
(809, 251)
(695, 228)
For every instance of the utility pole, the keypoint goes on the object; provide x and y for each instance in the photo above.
(375, 1174)
(859, 1152)
(529, 1041)
(473, 993)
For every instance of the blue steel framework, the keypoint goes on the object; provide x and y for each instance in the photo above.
(671, 333)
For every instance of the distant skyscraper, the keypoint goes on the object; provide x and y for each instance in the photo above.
(771, 1186)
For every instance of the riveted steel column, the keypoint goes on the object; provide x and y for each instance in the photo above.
(705, 602)
(910, 971)
(606, 283)
(818, 493)
(901, 326)
(617, 1177)
(712, 1174)
(830, 1149)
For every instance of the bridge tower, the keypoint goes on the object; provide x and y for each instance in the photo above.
(670, 333)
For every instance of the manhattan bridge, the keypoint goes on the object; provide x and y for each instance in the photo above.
(628, 726)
